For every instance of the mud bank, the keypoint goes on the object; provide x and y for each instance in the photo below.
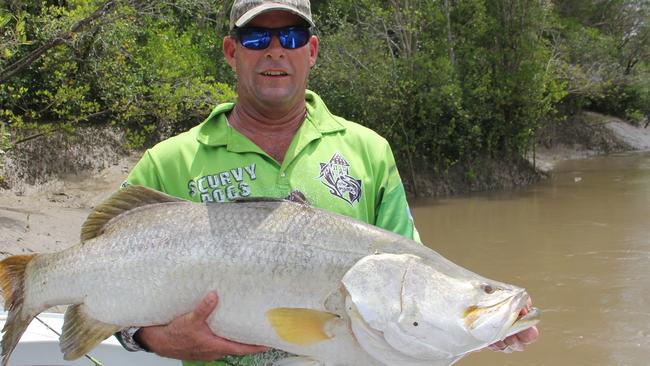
(53, 183)
(588, 134)
(48, 217)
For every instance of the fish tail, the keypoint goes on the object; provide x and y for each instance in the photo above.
(12, 283)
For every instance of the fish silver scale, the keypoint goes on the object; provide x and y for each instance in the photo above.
(155, 263)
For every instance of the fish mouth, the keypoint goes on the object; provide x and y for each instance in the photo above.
(523, 322)
(510, 309)
(515, 302)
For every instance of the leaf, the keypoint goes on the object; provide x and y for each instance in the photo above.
(21, 35)
(5, 18)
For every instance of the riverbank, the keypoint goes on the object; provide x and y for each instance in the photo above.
(589, 134)
(51, 194)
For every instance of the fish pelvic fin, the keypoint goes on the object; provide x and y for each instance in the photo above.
(81, 333)
(126, 199)
(12, 282)
(300, 326)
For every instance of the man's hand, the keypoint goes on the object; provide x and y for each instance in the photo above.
(189, 337)
(517, 342)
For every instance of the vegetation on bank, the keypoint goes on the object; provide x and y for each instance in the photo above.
(448, 82)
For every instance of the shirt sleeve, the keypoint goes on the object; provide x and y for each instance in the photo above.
(145, 173)
(393, 212)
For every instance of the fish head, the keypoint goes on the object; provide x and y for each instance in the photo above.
(428, 312)
(456, 314)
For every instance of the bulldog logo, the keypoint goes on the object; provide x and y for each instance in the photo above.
(335, 175)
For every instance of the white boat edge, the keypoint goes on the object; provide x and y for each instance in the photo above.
(39, 346)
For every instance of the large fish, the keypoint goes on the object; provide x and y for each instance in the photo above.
(328, 288)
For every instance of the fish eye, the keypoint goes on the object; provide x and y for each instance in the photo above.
(488, 289)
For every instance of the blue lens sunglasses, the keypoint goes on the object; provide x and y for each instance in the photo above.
(255, 38)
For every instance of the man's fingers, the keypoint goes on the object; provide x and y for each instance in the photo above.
(498, 346)
(508, 345)
(511, 340)
(205, 307)
(528, 336)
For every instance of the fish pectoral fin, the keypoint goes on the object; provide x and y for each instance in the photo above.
(298, 361)
(126, 199)
(301, 326)
(82, 333)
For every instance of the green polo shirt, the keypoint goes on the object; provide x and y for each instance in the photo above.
(338, 165)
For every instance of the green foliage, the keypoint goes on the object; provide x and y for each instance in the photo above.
(147, 69)
(605, 47)
(446, 82)
(159, 78)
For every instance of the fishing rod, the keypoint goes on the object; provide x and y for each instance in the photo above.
(92, 359)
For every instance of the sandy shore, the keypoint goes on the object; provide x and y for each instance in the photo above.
(48, 217)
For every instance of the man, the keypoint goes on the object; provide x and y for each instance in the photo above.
(276, 139)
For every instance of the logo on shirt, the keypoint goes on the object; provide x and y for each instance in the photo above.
(223, 186)
(335, 175)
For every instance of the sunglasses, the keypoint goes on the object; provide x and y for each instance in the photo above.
(255, 38)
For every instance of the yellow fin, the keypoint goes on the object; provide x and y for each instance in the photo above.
(12, 283)
(300, 326)
(126, 199)
(82, 333)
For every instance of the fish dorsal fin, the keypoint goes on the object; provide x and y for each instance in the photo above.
(82, 333)
(295, 197)
(126, 199)
(298, 197)
(301, 326)
(257, 199)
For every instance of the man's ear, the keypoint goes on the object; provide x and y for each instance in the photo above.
(229, 49)
(313, 50)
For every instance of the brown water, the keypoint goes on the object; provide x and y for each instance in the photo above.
(580, 244)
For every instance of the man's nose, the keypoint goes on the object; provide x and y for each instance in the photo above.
(275, 49)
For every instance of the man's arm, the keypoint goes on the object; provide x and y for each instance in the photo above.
(394, 214)
(392, 209)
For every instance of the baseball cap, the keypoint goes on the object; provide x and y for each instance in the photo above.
(243, 11)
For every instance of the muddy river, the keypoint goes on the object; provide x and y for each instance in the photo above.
(579, 242)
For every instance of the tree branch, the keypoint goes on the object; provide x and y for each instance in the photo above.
(60, 38)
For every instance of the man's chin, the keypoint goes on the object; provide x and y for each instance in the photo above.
(278, 98)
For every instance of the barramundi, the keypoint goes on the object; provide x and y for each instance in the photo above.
(324, 287)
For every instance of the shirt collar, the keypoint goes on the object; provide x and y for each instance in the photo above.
(215, 130)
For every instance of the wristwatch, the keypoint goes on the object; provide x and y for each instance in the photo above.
(127, 338)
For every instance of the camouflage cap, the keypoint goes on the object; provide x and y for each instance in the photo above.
(243, 11)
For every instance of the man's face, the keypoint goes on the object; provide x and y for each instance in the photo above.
(257, 70)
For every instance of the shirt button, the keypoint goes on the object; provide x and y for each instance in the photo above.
(283, 174)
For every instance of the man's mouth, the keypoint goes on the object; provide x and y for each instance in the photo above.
(274, 73)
